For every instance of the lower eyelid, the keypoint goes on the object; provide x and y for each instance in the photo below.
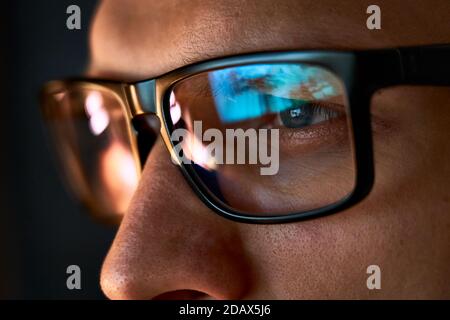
(328, 132)
(320, 135)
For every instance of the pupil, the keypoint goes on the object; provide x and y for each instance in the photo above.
(296, 118)
(295, 113)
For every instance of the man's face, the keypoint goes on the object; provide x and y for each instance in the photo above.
(170, 245)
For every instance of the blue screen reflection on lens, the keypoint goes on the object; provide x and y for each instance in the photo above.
(246, 92)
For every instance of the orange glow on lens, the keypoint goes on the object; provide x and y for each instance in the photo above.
(119, 173)
(98, 117)
(175, 110)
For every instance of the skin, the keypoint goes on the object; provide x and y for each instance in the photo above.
(170, 245)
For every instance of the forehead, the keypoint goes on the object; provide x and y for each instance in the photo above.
(137, 39)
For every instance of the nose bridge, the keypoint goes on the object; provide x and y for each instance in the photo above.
(141, 97)
(164, 245)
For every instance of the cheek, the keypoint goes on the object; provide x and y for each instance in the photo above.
(324, 258)
(412, 155)
(329, 257)
(395, 227)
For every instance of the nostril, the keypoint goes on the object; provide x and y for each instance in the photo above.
(183, 295)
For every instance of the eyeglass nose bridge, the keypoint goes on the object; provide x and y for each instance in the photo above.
(142, 111)
(147, 118)
(141, 97)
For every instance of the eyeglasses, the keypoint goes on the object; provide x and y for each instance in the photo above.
(261, 138)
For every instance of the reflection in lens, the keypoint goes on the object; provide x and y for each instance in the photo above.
(118, 172)
(94, 147)
(305, 103)
(253, 91)
(98, 117)
(175, 110)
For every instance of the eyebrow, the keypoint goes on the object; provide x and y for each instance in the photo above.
(214, 34)
(218, 30)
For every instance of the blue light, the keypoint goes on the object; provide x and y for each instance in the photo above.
(246, 92)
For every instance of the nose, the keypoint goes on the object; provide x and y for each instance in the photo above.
(170, 245)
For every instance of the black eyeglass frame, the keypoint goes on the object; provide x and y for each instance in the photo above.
(362, 73)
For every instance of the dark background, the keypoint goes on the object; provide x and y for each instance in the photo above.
(42, 229)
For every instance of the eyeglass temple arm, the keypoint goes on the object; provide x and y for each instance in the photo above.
(426, 65)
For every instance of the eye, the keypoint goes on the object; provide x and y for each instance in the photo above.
(307, 114)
